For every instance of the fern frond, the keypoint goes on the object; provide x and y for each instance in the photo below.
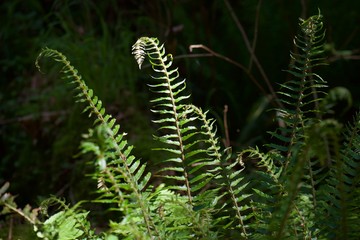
(339, 196)
(301, 95)
(179, 128)
(190, 137)
(119, 171)
(267, 189)
(299, 157)
(234, 211)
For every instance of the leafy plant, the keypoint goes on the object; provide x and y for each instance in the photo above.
(304, 186)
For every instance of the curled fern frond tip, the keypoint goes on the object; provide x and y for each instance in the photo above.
(138, 50)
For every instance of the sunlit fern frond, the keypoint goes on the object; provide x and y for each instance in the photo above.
(232, 211)
(179, 129)
(120, 173)
(190, 158)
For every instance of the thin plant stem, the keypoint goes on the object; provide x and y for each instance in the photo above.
(242, 67)
(303, 8)
(226, 127)
(252, 53)
(11, 225)
(256, 30)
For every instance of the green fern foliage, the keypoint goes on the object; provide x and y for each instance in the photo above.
(232, 211)
(291, 155)
(178, 128)
(122, 178)
(186, 166)
(304, 187)
(340, 196)
(201, 168)
(305, 176)
(301, 95)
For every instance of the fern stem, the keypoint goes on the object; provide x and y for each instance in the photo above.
(21, 213)
(313, 190)
(256, 30)
(226, 128)
(237, 64)
(290, 201)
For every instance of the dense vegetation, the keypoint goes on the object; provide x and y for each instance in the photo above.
(53, 126)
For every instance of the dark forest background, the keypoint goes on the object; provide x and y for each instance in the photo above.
(41, 127)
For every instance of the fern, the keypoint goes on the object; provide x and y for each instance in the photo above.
(306, 173)
(300, 95)
(232, 184)
(124, 174)
(178, 127)
(186, 164)
(300, 98)
(339, 196)
(304, 187)
(191, 136)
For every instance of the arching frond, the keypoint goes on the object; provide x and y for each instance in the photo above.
(119, 172)
(300, 96)
(179, 129)
(300, 159)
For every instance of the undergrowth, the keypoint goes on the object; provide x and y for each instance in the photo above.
(305, 185)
